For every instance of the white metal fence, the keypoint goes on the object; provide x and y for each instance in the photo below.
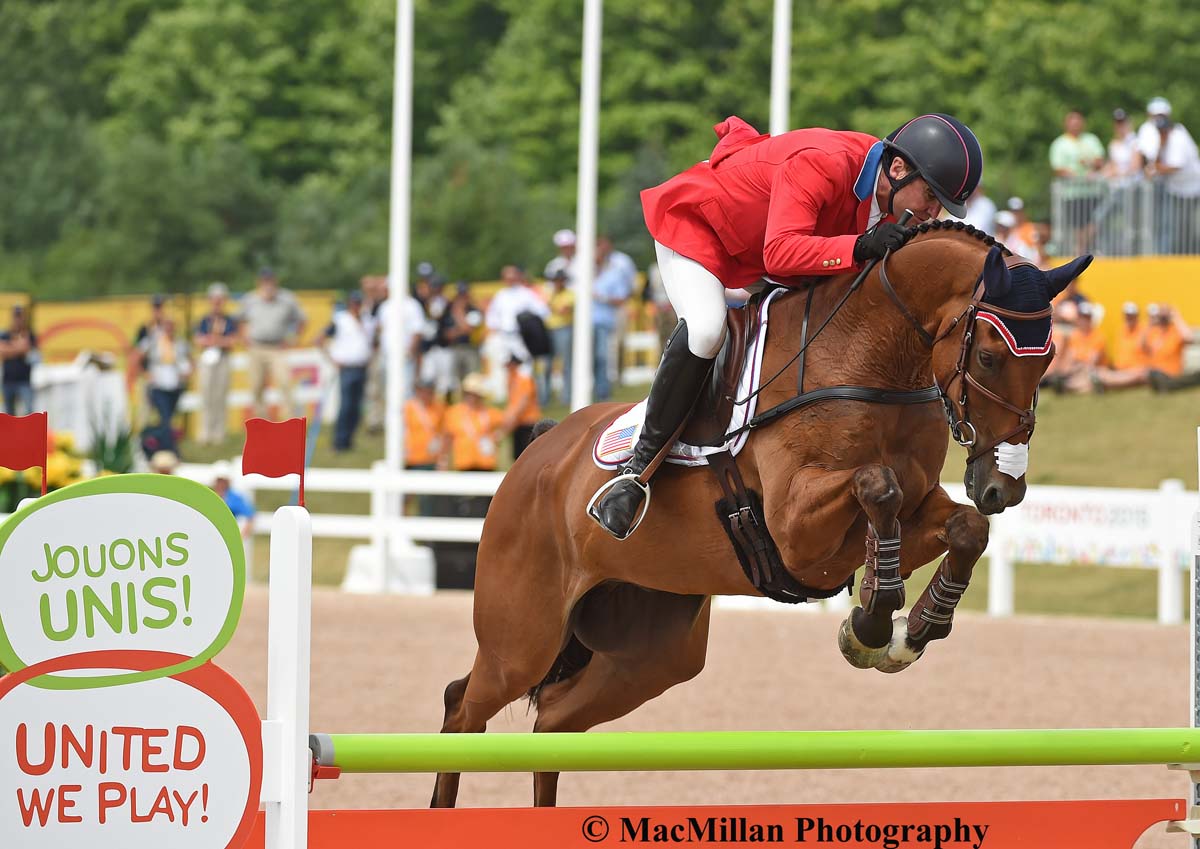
(1123, 217)
(1055, 525)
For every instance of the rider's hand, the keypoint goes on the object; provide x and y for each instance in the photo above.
(883, 237)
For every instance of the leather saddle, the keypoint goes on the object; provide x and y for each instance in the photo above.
(714, 407)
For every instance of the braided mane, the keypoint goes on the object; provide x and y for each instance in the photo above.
(948, 226)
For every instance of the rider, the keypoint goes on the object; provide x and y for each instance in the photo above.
(808, 202)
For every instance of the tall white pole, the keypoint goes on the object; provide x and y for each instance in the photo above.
(585, 208)
(781, 67)
(398, 227)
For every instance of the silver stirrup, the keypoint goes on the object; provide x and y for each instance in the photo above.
(609, 484)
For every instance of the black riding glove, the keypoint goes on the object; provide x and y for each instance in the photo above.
(883, 237)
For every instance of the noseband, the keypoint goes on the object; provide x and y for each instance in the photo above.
(962, 429)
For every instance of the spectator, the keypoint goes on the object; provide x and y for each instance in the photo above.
(456, 333)
(472, 430)
(564, 243)
(1005, 222)
(374, 290)
(157, 313)
(981, 211)
(613, 287)
(271, 321)
(19, 351)
(423, 419)
(1166, 337)
(1131, 360)
(136, 365)
(1171, 154)
(349, 340)
(1083, 357)
(216, 334)
(1075, 156)
(412, 328)
(168, 368)
(523, 411)
(561, 323)
(238, 504)
(1124, 161)
(504, 333)
(437, 361)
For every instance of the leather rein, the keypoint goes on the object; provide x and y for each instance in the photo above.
(963, 431)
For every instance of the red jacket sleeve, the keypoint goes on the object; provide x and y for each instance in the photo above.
(800, 189)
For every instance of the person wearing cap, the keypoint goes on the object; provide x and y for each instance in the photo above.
(349, 343)
(238, 504)
(564, 243)
(19, 352)
(1124, 160)
(523, 411)
(1023, 238)
(457, 330)
(271, 322)
(472, 430)
(507, 305)
(216, 334)
(1131, 356)
(980, 211)
(1166, 337)
(812, 202)
(1172, 158)
(1084, 355)
(423, 419)
(164, 462)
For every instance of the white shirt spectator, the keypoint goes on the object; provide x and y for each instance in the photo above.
(510, 302)
(981, 213)
(412, 322)
(561, 263)
(351, 339)
(1122, 153)
(1181, 152)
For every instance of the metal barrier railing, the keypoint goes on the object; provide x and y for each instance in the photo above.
(1123, 217)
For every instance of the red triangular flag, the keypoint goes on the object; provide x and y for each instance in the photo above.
(275, 449)
(23, 443)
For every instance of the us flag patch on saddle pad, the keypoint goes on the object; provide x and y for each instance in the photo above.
(615, 444)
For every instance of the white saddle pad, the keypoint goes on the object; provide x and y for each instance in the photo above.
(615, 444)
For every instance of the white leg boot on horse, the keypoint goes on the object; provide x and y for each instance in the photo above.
(676, 386)
(866, 632)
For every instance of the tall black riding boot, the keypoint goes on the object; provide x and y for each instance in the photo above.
(676, 385)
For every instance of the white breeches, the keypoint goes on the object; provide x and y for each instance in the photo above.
(698, 298)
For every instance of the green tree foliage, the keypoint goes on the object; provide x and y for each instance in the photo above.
(160, 143)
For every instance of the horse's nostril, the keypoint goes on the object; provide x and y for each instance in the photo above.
(992, 496)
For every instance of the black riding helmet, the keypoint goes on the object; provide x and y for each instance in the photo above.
(942, 151)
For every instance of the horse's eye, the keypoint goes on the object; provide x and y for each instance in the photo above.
(986, 360)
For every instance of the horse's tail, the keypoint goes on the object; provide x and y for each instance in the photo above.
(572, 659)
(541, 427)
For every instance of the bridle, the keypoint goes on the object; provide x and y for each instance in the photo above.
(961, 428)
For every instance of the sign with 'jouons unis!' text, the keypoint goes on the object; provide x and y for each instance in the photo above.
(116, 730)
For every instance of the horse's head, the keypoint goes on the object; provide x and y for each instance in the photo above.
(989, 359)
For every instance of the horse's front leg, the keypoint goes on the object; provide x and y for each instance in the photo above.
(939, 524)
(867, 632)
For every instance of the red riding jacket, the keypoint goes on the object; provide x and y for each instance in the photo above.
(785, 206)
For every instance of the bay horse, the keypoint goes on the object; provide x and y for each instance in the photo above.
(590, 627)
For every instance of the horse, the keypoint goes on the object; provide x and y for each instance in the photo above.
(589, 627)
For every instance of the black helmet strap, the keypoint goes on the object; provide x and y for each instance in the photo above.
(897, 184)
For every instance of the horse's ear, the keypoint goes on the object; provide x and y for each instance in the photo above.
(1057, 279)
(996, 278)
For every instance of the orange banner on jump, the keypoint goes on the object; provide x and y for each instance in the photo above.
(1100, 824)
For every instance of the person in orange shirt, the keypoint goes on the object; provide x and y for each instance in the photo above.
(472, 430)
(1131, 358)
(423, 428)
(1165, 340)
(1083, 356)
(523, 411)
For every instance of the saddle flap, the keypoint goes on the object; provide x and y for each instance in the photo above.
(714, 407)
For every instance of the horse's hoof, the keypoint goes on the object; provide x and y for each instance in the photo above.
(856, 654)
(899, 655)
